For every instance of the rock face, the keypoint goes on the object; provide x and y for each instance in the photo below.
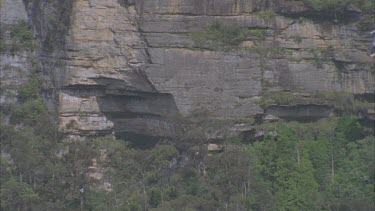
(130, 65)
(15, 66)
(106, 88)
(297, 59)
(300, 112)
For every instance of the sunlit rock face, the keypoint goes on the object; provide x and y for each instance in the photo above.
(298, 55)
(106, 89)
(129, 67)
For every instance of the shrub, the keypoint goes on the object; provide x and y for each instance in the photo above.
(154, 197)
(31, 90)
(218, 36)
(22, 36)
(267, 15)
(29, 112)
(17, 194)
(279, 98)
(258, 33)
(340, 5)
(367, 23)
(342, 101)
(3, 46)
(32, 109)
(364, 5)
(345, 102)
(297, 39)
(326, 5)
(322, 55)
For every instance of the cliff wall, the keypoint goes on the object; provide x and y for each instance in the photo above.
(130, 67)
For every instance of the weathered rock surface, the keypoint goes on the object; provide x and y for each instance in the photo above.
(105, 82)
(128, 65)
(297, 55)
(14, 66)
(12, 11)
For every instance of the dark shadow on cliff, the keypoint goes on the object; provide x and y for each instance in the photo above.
(138, 116)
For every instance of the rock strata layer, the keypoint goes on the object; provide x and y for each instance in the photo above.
(130, 67)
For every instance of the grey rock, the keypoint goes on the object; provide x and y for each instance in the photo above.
(12, 11)
(127, 66)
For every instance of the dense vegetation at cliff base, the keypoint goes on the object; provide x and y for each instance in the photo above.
(327, 165)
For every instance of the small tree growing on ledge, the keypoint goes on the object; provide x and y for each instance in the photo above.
(219, 36)
(22, 36)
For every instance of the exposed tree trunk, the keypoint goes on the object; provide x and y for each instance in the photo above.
(161, 195)
(245, 189)
(144, 192)
(81, 202)
(298, 156)
(332, 164)
(116, 202)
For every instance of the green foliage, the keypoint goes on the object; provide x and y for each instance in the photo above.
(23, 37)
(342, 102)
(32, 110)
(281, 169)
(328, 165)
(55, 24)
(218, 36)
(318, 166)
(31, 90)
(29, 112)
(3, 45)
(365, 5)
(258, 33)
(350, 128)
(99, 199)
(339, 10)
(327, 5)
(367, 23)
(340, 5)
(297, 39)
(321, 56)
(154, 197)
(267, 15)
(345, 102)
(16, 194)
(291, 169)
(278, 98)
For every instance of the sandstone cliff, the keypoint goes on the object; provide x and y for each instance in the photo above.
(131, 67)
